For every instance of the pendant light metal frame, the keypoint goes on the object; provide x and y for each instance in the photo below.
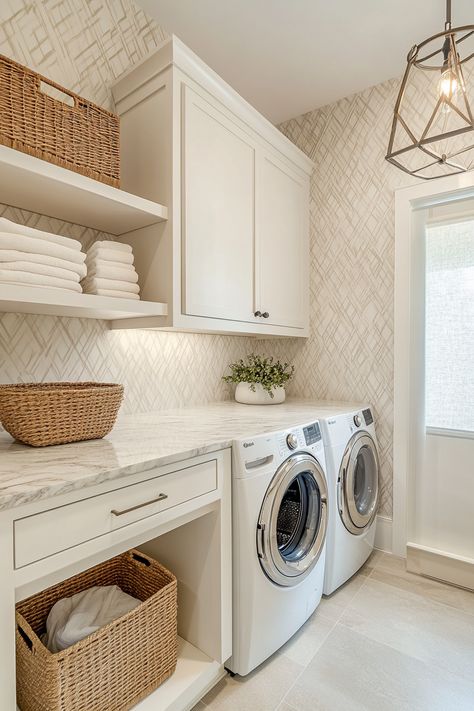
(449, 47)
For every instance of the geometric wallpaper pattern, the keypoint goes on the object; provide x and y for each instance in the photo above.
(349, 354)
(84, 45)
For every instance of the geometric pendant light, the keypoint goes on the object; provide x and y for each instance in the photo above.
(433, 123)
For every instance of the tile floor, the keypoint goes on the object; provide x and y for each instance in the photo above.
(388, 640)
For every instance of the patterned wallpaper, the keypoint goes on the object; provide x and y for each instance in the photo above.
(349, 355)
(84, 45)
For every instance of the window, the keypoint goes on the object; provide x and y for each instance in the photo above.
(449, 334)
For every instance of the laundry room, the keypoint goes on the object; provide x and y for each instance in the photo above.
(236, 355)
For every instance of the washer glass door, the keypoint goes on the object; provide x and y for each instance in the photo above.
(358, 484)
(292, 524)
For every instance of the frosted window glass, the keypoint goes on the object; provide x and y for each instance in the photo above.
(449, 336)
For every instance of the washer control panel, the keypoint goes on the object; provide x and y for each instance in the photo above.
(312, 433)
(300, 438)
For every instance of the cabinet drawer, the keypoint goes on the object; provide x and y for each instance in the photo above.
(52, 531)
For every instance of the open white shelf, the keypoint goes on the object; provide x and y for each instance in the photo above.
(38, 186)
(195, 674)
(58, 302)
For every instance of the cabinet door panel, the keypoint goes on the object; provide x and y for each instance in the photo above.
(218, 214)
(282, 244)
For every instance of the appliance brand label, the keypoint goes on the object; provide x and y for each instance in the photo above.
(248, 444)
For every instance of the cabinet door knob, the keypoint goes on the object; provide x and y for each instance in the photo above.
(257, 313)
(266, 314)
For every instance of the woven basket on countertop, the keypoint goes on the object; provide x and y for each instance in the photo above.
(83, 137)
(113, 668)
(56, 413)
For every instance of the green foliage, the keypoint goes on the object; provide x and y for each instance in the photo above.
(269, 373)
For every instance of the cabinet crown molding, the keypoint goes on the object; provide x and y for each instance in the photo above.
(173, 52)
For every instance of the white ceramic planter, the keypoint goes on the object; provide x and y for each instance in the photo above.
(245, 395)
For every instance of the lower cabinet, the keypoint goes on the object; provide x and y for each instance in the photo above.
(179, 513)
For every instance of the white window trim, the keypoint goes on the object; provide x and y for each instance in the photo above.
(447, 432)
(411, 206)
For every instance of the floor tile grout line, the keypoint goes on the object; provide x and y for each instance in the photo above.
(329, 632)
(425, 598)
(406, 654)
(421, 594)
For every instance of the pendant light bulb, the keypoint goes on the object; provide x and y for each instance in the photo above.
(448, 85)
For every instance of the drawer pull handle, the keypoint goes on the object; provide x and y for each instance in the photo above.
(161, 497)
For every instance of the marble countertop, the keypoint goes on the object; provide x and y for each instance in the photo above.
(137, 443)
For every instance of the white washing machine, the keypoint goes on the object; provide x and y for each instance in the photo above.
(280, 515)
(352, 463)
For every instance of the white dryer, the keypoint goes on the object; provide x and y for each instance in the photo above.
(353, 480)
(280, 515)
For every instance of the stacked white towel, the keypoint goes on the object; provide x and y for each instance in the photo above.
(110, 271)
(35, 258)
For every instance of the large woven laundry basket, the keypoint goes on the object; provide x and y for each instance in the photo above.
(117, 666)
(42, 118)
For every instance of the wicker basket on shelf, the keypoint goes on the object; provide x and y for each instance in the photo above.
(83, 137)
(113, 668)
(57, 413)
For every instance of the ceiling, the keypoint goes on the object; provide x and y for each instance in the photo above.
(287, 57)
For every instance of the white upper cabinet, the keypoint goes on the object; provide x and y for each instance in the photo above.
(234, 254)
(218, 168)
(282, 244)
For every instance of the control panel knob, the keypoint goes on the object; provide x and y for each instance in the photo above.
(357, 420)
(292, 441)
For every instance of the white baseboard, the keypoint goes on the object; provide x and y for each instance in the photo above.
(434, 563)
(383, 533)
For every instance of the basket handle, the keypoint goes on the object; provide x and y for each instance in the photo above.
(25, 637)
(43, 86)
(141, 559)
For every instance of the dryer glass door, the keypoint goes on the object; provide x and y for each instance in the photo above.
(293, 519)
(358, 484)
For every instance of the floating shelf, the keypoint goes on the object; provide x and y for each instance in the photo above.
(195, 674)
(58, 302)
(36, 185)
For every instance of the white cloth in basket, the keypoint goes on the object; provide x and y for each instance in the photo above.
(73, 618)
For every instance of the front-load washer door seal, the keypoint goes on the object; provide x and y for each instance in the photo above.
(292, 524)
(358, 483)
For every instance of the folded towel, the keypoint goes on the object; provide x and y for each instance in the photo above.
(15, 228)
(116, 294)
(8, 240)
(108, 255)
(110, 244)
(13, 255)
(107, 270)
(43, 269)
(26, 279)
(93, 283)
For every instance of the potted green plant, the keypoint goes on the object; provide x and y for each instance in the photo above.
(260, 381)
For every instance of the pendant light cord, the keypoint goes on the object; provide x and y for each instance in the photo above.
(448, 14)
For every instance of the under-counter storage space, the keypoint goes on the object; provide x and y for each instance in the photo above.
(117, 665)
(234, 257)
(191, 538)
(44, 534)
